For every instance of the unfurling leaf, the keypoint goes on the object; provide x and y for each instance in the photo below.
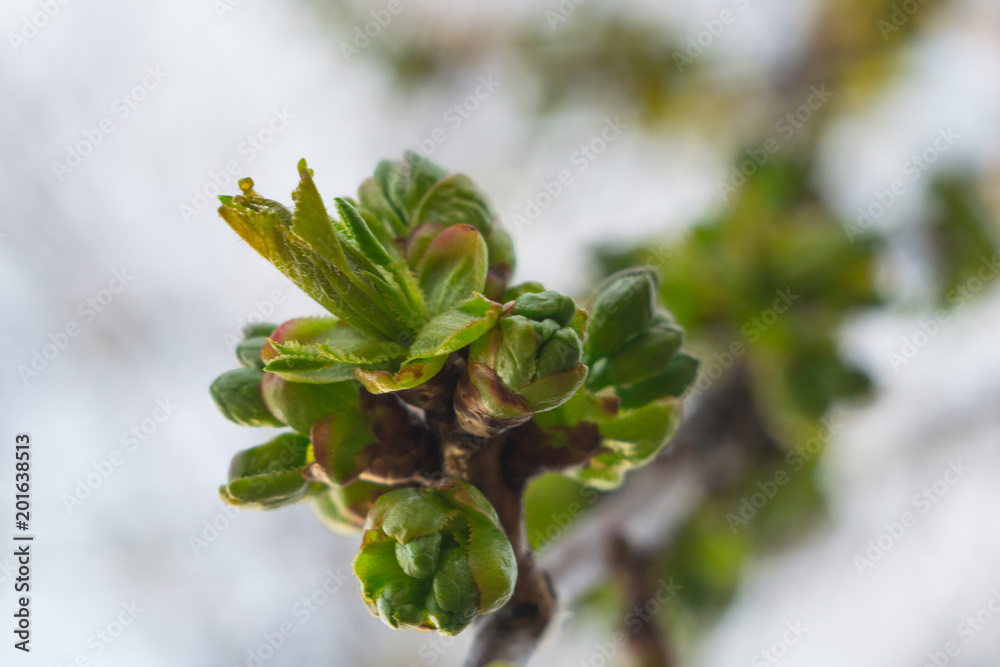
(269, 475)
(238, 396)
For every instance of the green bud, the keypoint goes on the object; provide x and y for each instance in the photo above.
(546, 305)
(255, 329)
(525, 365)
(516, 291)
(339, 441)
(418, 176)
(430, 200)
(646, 354)
(419, 558)
(238, 396)
(545, 329)
(561, 352)
(517, 343)
(673, 381)
(454, 588)
(398, 603)
(455, 200)
(269, 475)
(434, 558)
(624, 304)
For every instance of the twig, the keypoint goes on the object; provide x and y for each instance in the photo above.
(647, 642)
(718, 441)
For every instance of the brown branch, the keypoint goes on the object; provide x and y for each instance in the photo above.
(646, 640)
(511, 633)
(486, 462)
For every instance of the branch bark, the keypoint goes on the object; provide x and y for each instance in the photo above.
(511, 633)
(648, 643)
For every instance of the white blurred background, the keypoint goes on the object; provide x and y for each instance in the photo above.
(122, 246)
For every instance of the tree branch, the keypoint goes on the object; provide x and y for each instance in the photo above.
(720, 438)
(647, 642)
(723, 435)
(497, 467)
(511, 633)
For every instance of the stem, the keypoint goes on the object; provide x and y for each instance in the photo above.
(494, 465)
(511, 633)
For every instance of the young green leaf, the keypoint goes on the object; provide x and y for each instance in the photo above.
(238, 396)
(455, 200)
(453, 268)
(454, 329)
(269, 475)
